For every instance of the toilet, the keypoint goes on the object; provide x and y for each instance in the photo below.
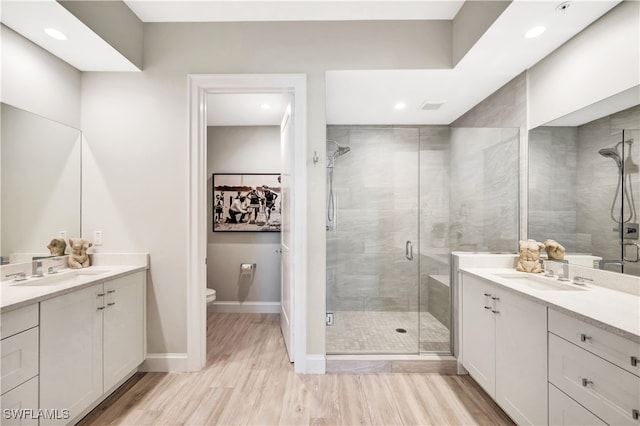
(211, 295)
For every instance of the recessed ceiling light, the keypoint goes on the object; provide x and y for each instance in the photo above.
(53, 33)
(265, 106)
(535, 31)
(400, 105)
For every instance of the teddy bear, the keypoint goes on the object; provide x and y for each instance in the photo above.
(79, 257)
(529, 255)
(555, 250)
(57, 246)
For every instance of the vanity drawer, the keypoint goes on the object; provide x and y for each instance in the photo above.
(19, 402)
(19, 359)
(566, 412)
(606, 390)
(618, 350)
(18, 320)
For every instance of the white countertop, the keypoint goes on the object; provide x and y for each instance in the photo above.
(16, 294)
(614, 311)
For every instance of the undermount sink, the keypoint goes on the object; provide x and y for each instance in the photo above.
(59, 278)
(540, 283)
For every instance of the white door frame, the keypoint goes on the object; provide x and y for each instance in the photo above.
(200, 85)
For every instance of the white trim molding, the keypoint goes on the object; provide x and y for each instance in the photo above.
(245, 307)
(200, 85)
(316, 364)
(165, 362)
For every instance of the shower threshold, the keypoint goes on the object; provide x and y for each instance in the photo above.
(419, 363)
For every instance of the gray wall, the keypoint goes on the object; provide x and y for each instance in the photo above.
(239, 149)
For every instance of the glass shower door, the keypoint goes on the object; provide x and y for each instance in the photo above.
(630, 201)
(372, 240)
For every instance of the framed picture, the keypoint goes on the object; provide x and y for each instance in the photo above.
(246, 202)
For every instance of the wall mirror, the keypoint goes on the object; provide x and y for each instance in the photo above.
(40, 183)
(584, 184)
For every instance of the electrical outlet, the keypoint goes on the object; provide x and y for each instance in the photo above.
(63, 235)
(97, 238)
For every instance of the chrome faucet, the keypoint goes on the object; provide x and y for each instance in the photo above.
(20, 276)
(36, 268)
(564, 274)
(603, 262)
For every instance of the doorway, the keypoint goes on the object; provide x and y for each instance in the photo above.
(200, 86)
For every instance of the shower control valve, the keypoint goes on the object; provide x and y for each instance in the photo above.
(630, 231)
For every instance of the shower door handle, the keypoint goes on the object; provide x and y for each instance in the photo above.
(408, 250)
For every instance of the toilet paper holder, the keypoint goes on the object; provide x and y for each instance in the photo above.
(247, 267)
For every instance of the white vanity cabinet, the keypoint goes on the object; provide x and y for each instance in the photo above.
(19, 351)
(504, 348)
(90, 339)
(594, 369)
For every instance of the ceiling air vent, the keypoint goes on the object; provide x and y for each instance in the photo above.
(430, 105)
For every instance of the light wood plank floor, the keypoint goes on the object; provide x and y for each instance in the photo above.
(248, 380)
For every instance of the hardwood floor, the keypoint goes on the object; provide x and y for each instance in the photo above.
(248, 380)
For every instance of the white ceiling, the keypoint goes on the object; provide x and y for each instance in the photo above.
(368, 97)
(290, 10)
(353, 97)
(245, 109)
(83, 49)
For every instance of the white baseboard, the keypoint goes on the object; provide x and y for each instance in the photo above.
(315, 364)
(165, 362)
(245, 307)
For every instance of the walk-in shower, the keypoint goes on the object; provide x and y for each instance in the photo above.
(397, 205)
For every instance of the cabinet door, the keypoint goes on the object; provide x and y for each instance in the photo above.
(521, 358)
(478, 334)
(123, 327)
(71, 351)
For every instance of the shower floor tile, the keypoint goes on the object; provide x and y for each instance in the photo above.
(374, 332)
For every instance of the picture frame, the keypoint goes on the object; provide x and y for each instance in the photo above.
(246, 202)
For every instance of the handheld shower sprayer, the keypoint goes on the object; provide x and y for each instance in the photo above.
(340, 150)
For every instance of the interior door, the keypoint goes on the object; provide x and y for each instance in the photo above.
(286, 234)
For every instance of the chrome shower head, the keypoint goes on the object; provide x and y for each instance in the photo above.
(611, 153)
(340, 151)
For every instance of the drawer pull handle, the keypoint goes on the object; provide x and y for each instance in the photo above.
(111, 304)
(487, 294)
(635, 414)
(495, 312)
(100, 294)
(100, 308)
(634, 361)
(110, 291)
(495, 298)
(487, 307)
(584, 337)
(586, 382)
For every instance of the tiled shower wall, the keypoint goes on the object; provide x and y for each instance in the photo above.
(553, 160)
(597, 180)
(484, 189)
(467, 199)
(572, 187)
